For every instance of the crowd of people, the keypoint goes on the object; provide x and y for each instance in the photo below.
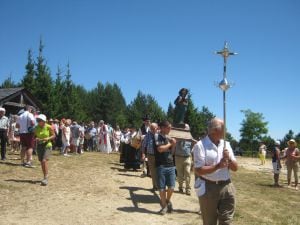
(151, 149)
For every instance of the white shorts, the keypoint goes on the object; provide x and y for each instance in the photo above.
(276, 168)
(81, 141)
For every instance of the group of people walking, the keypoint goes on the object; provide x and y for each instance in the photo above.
(161, 157)
(170, 159)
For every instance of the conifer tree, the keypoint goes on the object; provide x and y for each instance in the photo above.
(28, 80)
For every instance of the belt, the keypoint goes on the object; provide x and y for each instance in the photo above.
(183, 156)
(218, 182)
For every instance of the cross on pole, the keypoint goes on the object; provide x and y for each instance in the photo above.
(224, 85)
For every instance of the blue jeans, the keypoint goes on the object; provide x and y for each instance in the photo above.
(165, 177)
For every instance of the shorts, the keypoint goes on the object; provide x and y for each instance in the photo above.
(43, 152)
(81, 141)
(75, 141)
(27, 140)
(165, 177)
(276, 168)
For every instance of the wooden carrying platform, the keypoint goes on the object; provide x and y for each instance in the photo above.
(180, 133)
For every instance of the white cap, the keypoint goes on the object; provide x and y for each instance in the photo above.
(2, 109)
(42, 117)
(277, 142)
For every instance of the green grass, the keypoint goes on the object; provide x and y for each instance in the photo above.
(260, 203)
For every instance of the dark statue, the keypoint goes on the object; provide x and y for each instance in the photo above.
(181, 104)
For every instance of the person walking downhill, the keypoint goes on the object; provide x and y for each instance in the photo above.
(183, 161)
(148, 151)
(26, 123)
(44, 135)
(4, 125)
(165, 167)
(292, 156)
(213, 163)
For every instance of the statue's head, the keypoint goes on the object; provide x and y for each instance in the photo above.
(183, 92)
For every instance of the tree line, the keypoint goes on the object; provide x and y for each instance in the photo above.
(62, 98)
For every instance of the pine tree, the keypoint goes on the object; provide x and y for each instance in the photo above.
(28, 80)
(141, 106)
(43, 82)
(170, 113)
(9, 83)
(196, 119)
(56, 95)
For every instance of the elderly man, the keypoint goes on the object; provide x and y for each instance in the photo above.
(148, 150)
(3, 132)
(213, 162)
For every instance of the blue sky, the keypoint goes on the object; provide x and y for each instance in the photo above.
(159, 46)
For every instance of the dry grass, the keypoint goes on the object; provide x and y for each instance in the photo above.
(94, 189)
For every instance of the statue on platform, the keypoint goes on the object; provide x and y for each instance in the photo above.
(181, 104)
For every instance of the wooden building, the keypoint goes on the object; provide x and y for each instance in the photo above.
(15, 99)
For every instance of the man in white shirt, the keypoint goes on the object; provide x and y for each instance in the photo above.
(26, 123)
(213, 161)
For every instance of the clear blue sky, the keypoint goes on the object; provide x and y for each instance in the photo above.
(159, 46)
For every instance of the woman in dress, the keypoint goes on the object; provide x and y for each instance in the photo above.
(104, 142)
(66, 135)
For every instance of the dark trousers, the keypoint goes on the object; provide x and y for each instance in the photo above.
(3, 139)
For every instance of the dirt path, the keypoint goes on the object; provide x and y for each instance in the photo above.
(88, 189)
(91, 189)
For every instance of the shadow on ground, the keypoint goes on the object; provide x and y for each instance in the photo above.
(10, 163)
(136, 199)
(24, 181)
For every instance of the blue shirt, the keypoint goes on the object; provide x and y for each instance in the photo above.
(183, 148)
(148, 143)
(92, 131)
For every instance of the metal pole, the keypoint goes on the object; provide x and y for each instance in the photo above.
(224, 104)
(224, 85)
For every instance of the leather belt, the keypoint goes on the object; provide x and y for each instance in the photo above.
(219, 182)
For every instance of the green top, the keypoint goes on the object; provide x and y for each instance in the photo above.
(43, 132)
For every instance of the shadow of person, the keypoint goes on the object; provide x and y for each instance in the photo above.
(128, 175)
(24, 181)
(10, 163)
(140, 198)
(119, 169)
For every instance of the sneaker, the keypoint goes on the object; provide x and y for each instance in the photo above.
(154, 189)
(143, 175)
(28, 165)
(180, 190)
(296, 188)
(44, 182)
(163, 211)
(188, 192)
(67, 155)
(170, 207)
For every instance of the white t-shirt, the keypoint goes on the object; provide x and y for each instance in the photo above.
(25, 121)
(206, 153)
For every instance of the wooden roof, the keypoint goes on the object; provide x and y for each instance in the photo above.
(8, 96)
